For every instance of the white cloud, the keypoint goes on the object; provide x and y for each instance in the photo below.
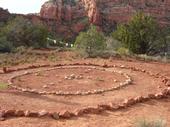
(22, 6)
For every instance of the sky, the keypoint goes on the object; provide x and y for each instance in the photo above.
(22, 6)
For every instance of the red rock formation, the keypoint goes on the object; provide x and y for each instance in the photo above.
(68, 17)
(92, 11)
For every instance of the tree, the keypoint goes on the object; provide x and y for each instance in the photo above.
(5, 46)
(21, 32)
(139, 35)
(91, 43)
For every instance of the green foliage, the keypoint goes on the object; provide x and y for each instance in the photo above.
(123, 51)
(90, 43)
(141, 35)
(3, 86)
(112, 44)
(21, 32)
(153, 123)
(5, 46)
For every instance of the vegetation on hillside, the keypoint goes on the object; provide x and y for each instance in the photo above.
(90, 43)
(21, 32)
(142, 35)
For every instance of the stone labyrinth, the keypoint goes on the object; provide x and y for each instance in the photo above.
(70, 80)
(83, 88)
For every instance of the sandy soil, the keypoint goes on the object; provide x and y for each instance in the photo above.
(143, 84)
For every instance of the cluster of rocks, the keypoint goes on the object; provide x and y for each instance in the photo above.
(71, 77)
(165, 79)
(87, 110)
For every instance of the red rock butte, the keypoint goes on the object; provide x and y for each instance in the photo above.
(69, 17)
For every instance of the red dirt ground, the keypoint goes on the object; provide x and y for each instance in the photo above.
(55, 80)
(143, 84)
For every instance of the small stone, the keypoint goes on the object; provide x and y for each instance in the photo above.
(122, 66)
(105, 106)
(159, 95)
(78, 112)
(33, 91)
(9, 113)
(72, 76)
(129, 102)
(24, 90)
(80, 77)
(26, 113)
(51, 83)
(65, 114)
(36, 74)
(89, 69)
(151, 96)
(138, 99)
(115, 80)
(33, 114)
(45, 86)
(42, 113)
(19, 113)
(159, 87)
(165, 80)
(93, 110)
(55, 115)
(168, 83)
(66, 77)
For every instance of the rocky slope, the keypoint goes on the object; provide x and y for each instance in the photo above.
(72, 16)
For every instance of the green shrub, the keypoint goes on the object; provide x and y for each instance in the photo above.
(22, 32)
(5, 46)
(90, 43)
(153, 123)
(123, 51)
(141, 35)
(112, 44)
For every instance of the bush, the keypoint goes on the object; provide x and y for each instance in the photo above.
(21, 32)
(5, 46)
(112, 44)
(141, 35)
(90, 43)
(123, 51)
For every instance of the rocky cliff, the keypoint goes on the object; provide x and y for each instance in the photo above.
(65, 17)
(71, 16)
